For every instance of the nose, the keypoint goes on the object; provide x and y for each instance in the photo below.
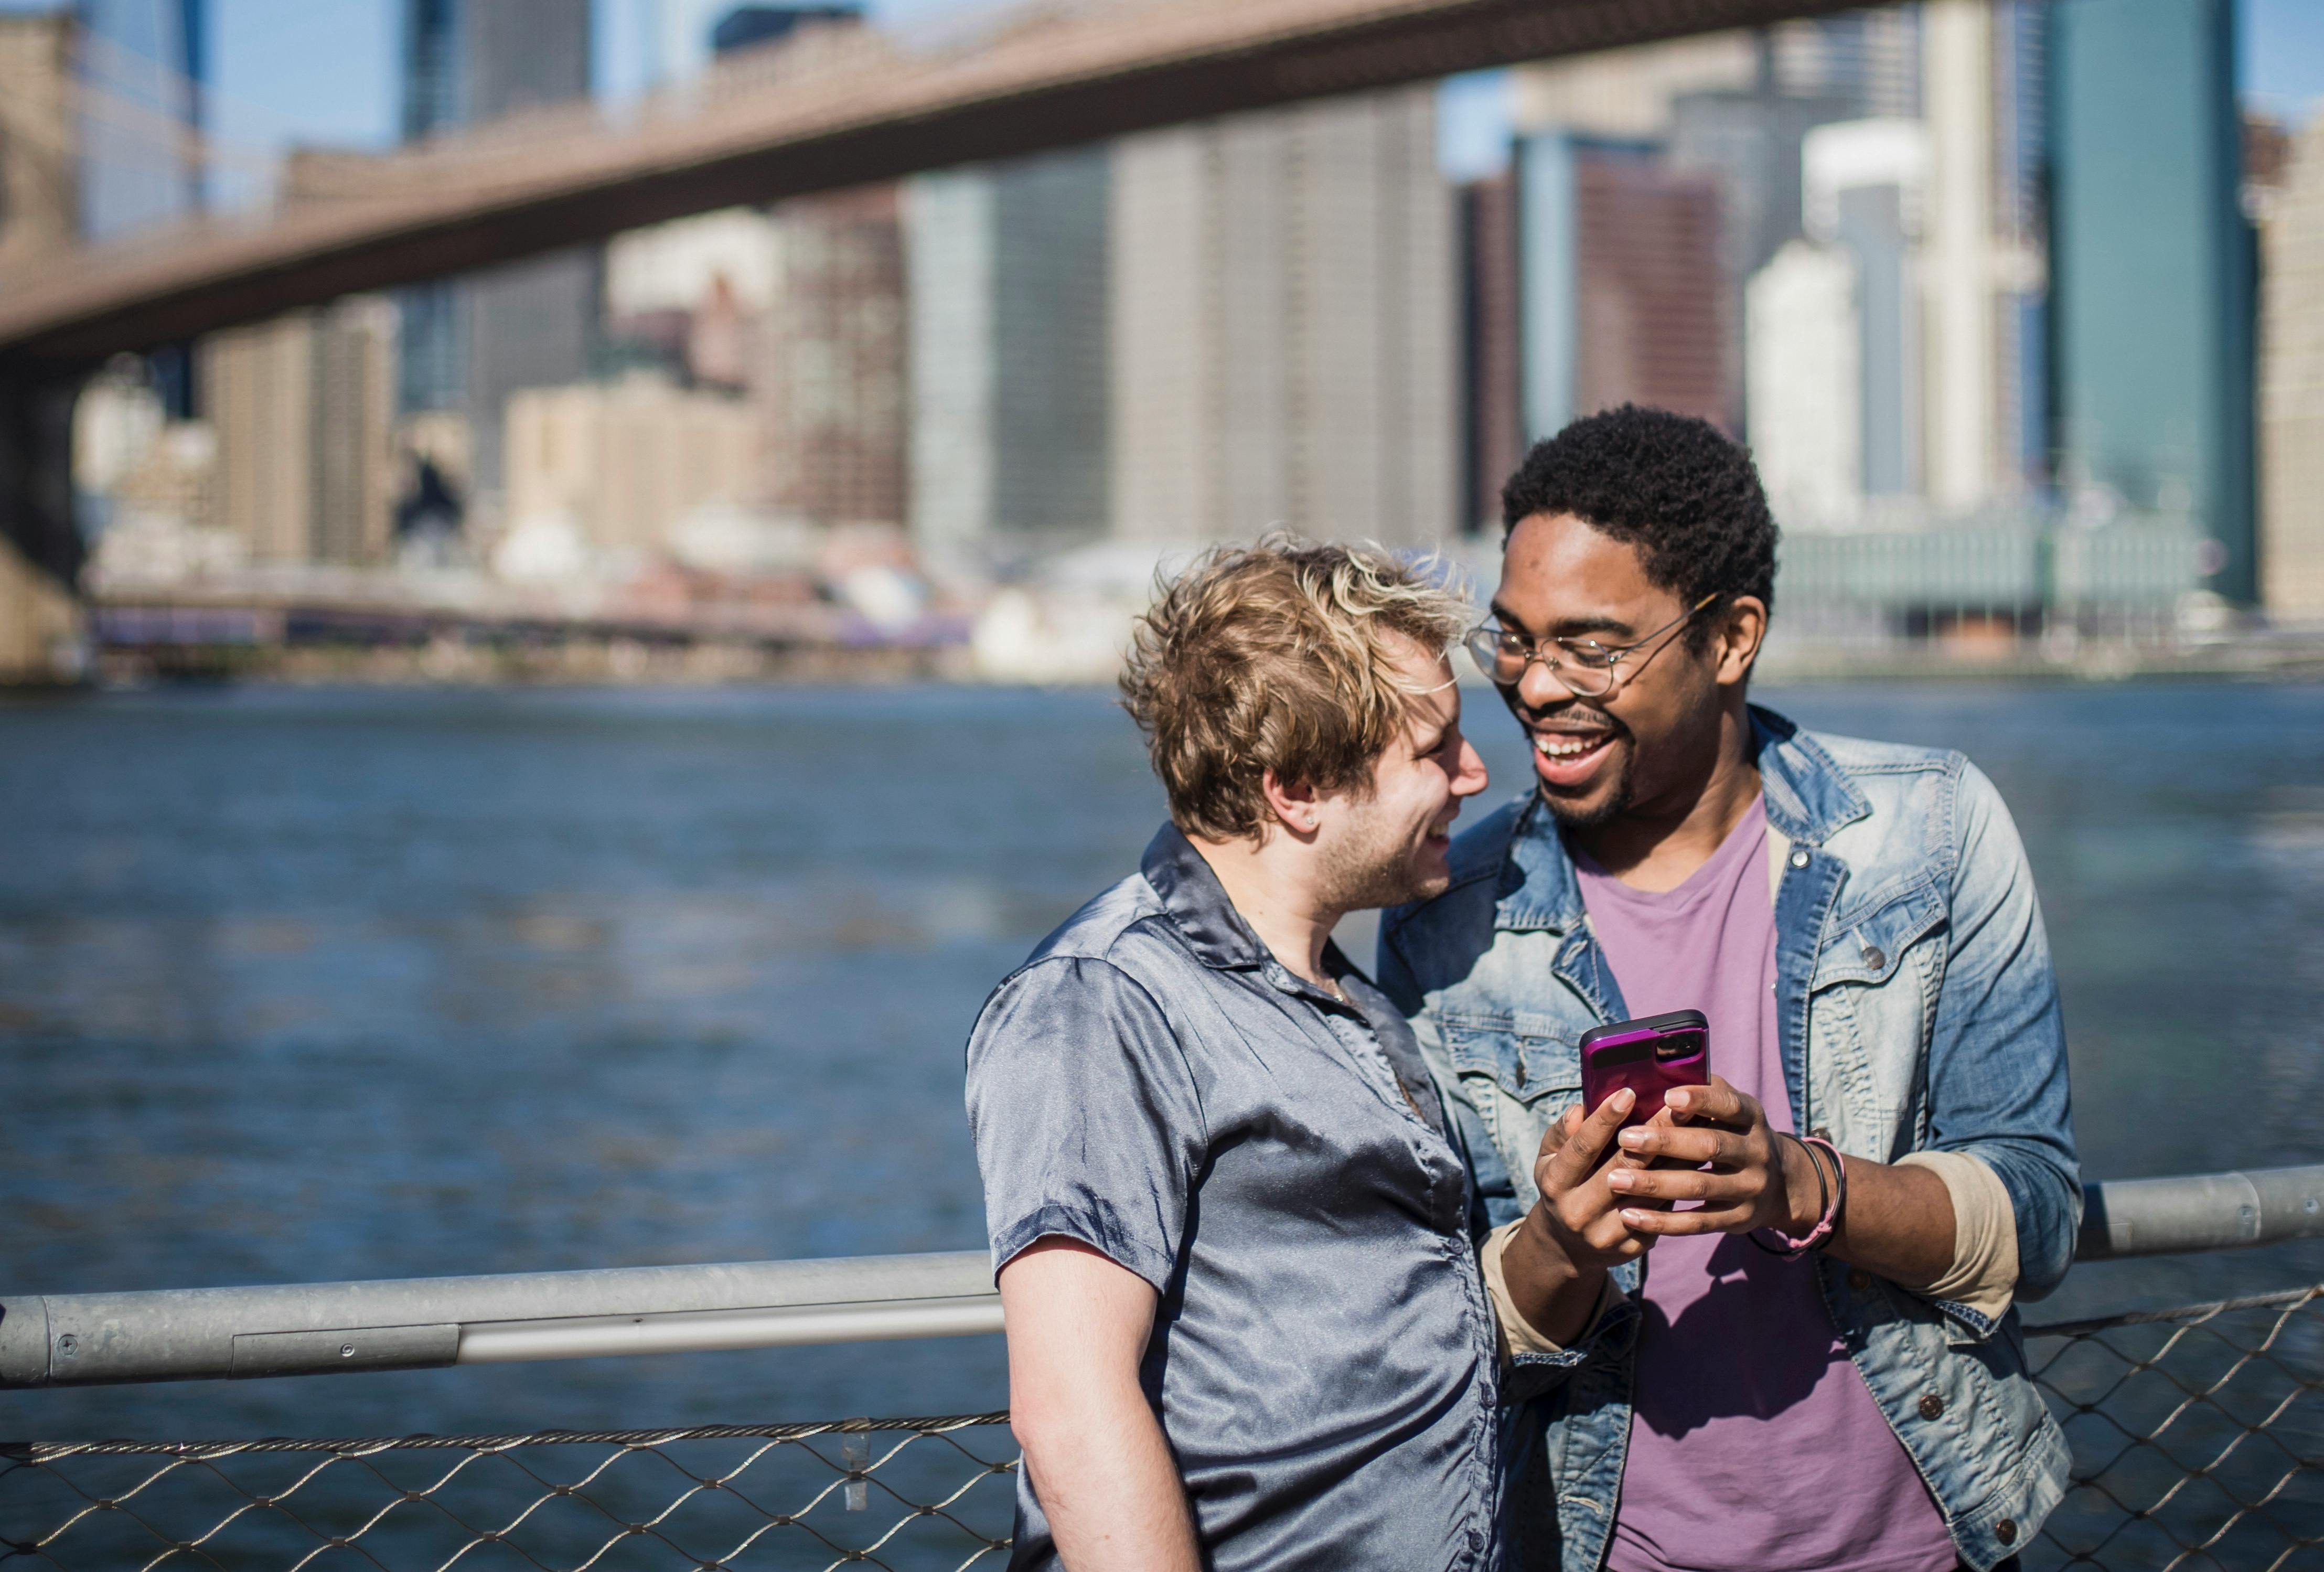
(1538, 687)
(1473, 777)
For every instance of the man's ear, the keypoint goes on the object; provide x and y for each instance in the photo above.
(1742, 630)
(1294, 805)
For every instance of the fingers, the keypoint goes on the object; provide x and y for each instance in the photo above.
(1741, 1189)
(1715, 1103)
(1578, 1156)
(1673, 1225)
(1689, 1144)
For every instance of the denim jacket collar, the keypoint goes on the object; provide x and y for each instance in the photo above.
(1808, 798)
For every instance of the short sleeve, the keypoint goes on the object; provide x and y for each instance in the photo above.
(1084, 1117)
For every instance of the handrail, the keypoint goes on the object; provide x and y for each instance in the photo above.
(2186, 1213)
(421, 1323)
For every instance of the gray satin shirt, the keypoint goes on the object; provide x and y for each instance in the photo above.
(1153, 1082)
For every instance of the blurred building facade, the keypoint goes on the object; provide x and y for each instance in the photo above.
(619, 468)
(824, 366)
(141, 63)
(468, 344)
(39, 214)
(1283, 314)
(1493, 362)
(40, 190)
(1006, 272)
(1882, 167)
(1623, 300)
(2151, 261)
(2291, 387)
(302, 408)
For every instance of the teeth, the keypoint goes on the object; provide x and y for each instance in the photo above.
(1566, 747)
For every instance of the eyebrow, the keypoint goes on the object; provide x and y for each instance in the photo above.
(1570, 628)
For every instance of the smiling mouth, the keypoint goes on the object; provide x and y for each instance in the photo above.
(1566, 758)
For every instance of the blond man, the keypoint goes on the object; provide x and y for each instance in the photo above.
(1234, 1233)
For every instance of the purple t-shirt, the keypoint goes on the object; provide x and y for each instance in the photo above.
(1755, 1446)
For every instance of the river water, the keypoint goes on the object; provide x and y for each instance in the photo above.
(314, 985)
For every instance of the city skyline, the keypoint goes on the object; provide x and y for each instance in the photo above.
(327, 73)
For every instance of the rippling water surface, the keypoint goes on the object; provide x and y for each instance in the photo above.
(302, 985)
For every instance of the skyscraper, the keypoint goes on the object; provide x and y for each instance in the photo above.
(1623, 295)
(302, 405)
(828, 363)
(2152, 268)
(2292, 388)
(1007, 276)
(1492, 336)
(1733, 108)
(141, 64)
(40, 194)
(141, 70)
(1285, 311)
(468, 343)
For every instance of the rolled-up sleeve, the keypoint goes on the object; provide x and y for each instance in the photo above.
(1085, 1116)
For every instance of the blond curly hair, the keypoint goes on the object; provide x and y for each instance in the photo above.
(1278, 656)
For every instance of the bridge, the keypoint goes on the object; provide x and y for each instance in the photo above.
(834, 109)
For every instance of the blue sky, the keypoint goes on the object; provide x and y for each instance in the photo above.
(324, 71)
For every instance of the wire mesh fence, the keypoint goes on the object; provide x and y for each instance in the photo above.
(913, 1495)
(2198, 1439)
(2198, 1436)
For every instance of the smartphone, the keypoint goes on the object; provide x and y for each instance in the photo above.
(1649, 1057)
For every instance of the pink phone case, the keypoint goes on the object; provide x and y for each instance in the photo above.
(1649, 1056)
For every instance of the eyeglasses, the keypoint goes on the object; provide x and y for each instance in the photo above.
(1588, 669)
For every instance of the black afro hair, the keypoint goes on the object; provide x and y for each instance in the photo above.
(1676, 488)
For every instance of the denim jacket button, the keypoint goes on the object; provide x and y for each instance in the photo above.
(2005, 1531)
(1932, 1407)
(1874, 957)
(1861, 1280)
(1799, 857)
(1821, 1133)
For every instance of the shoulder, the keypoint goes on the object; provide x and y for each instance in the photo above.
(1859, 757)
(1109, 960)
(1931, 811)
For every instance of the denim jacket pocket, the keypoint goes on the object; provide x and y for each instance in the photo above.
(1527, 1059)
(1866, 941)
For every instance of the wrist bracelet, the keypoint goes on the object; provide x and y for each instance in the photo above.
(1830, 1200)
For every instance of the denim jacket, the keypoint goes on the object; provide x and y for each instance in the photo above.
(1917, 1011)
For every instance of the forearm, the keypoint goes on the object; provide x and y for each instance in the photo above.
(1103, 1475)
(1898, 1222)
(1556, 1297)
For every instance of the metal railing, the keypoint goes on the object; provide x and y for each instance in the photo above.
(421, 1323)
(2197, 1433)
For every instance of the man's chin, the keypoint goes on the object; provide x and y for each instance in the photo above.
(1594, 812)
(1603, 802)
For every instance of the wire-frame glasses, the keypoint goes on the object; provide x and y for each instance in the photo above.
(1588, 669)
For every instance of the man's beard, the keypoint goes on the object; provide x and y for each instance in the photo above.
(1362, 872)
(1615, 803)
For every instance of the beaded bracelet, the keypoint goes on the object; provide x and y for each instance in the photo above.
(1832, 1199)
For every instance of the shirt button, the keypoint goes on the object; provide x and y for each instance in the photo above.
(2005, 1531)
(1861, 1280)
(1932, 1407)
(1799, 857)
(1874, 957)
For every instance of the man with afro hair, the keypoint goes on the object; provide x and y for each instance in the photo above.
(1771, 1329)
